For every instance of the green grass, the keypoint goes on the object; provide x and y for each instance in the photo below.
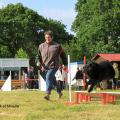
(30, 105)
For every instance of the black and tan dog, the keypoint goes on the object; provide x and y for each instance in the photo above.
(98, 72)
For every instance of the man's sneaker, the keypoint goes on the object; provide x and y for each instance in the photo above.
(60, 95)
(47, 97)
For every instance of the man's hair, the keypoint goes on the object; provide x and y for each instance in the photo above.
(48, 32)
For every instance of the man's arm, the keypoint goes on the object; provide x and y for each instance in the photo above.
(63, 57)
(38, 58)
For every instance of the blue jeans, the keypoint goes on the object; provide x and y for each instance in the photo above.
(49, 77)
(114, 82)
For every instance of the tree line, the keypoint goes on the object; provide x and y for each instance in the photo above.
(97, 28)
(22, 30)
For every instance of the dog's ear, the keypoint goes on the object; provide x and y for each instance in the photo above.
(92, 62)
(84, 68)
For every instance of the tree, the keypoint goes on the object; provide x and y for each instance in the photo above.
(73, 50)
(21, 27)
(18, 27)
(97, 26)
(59, 31)
(21, 54)
(4, 52)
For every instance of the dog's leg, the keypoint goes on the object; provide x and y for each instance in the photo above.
(91, 85)
(89, 82)
(90, 88)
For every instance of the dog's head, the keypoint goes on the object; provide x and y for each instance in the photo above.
(91, 70)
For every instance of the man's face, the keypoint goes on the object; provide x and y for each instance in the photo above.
(48, 38)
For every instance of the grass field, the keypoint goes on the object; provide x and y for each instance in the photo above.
(30, 105)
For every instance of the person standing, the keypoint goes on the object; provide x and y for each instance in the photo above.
(31, 77)
(59, 80)
(79, 77)
(50, 53)
(25, 78)
(115, 79)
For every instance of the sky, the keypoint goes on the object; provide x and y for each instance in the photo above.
(62, 10)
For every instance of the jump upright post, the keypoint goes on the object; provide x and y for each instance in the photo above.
(84, 77)
(69, 79)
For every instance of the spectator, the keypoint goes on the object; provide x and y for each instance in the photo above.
(25, 78)
(16, 76)
(59, 80)
(115, 79)
(79, 77)
(31, 77)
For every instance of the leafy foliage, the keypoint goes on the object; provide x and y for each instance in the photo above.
(23, 28)
(18, 27)
(73, 50)
(97, 26)
(21, 54)
(4, 52)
